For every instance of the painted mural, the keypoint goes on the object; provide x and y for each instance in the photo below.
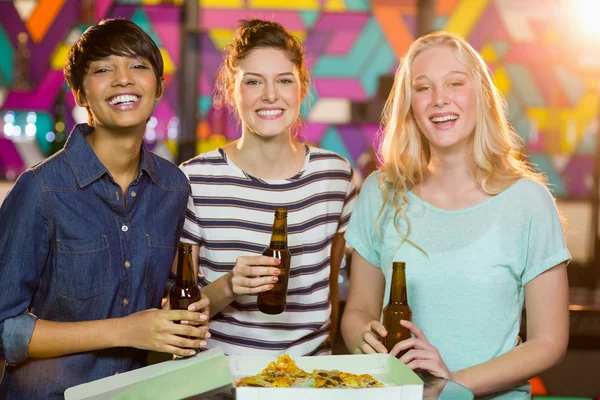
(544, 67)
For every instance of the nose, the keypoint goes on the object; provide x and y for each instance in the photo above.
(122, 77)
(270, 93)
(440, 97)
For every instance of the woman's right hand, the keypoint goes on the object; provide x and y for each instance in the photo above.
(370, 339)
(253, 274)
(156, 330)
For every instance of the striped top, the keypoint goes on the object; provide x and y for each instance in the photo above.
(230, 214)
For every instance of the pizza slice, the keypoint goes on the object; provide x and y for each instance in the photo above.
(335, 378)
(283, 372)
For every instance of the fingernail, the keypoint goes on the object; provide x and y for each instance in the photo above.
(202, 343)
(270, 286)
(277, 261)
(191, 353)
(203, 317)
(275, 279)
(192, 307)
(277, 271)
(207, 335)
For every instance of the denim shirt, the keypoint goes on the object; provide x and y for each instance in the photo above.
(71, 249)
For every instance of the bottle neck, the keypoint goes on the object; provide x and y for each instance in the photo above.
(398, 289)
(185, 270)
(279, 235)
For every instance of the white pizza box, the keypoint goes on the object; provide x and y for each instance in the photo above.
(211, 375)
(401, 382)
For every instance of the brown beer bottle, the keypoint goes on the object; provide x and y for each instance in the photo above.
(274, 300)
(186, 290)
(397, 309)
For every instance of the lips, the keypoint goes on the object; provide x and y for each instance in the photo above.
(270, 113)
(123, 99)
(441, 118)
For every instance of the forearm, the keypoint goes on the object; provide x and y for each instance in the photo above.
(512, 368)
(219, 293)
(334, 295)
(338, 246)
(354, 322)
(54, 339)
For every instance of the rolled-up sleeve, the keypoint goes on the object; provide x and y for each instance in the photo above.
(24, 248)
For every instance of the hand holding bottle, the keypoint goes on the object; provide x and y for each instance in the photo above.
(253, 274)
(156, 330)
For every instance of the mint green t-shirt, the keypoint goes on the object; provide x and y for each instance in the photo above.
(467, 293)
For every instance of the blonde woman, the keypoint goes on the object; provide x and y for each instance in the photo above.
(477, 228)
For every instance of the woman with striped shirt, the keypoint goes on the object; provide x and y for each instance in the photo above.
(236, 189)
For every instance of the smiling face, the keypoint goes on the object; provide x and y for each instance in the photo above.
(267, 92)
(120, 92)
(443, 98)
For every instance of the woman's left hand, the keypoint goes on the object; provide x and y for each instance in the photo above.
(421, 354)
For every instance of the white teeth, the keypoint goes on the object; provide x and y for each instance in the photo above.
(269, 113)
(444, 118)
(123, 99)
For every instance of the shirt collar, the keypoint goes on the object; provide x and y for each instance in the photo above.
(86, 165)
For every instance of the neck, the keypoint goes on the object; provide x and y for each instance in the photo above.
(257, 155)
(119, 152)
(451, 168)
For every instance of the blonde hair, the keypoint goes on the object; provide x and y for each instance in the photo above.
(405, 153)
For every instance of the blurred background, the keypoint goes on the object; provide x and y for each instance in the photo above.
(544, 56)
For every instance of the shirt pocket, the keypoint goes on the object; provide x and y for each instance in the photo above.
(83, 268)
(158, 265)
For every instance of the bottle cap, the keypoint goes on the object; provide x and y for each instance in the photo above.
(281, 213)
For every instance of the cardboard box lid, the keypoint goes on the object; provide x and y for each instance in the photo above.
(174, 379)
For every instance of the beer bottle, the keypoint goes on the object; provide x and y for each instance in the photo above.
(396, 309)
(186, 290)
(274, 300)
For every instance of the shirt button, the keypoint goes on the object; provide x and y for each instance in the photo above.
(124, 228)
(117, 195)
(133, 193)
(125, 301)
(127, 264)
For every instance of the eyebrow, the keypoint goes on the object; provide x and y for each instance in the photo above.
(449, 73)
(262, 76)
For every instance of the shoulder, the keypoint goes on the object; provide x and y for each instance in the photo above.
(204, 160)
(530, 199)
(328, 160)
(168, 174)
(53, 172)
(25, 195)
(28, 181)
(371, 185)
(529, 192)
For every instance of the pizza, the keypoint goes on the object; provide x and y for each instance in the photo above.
(283, 372)
(335, 378)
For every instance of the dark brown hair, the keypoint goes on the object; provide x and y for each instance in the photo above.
(111, 37)
(253, 34)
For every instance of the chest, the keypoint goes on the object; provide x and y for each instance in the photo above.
(102, 244)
